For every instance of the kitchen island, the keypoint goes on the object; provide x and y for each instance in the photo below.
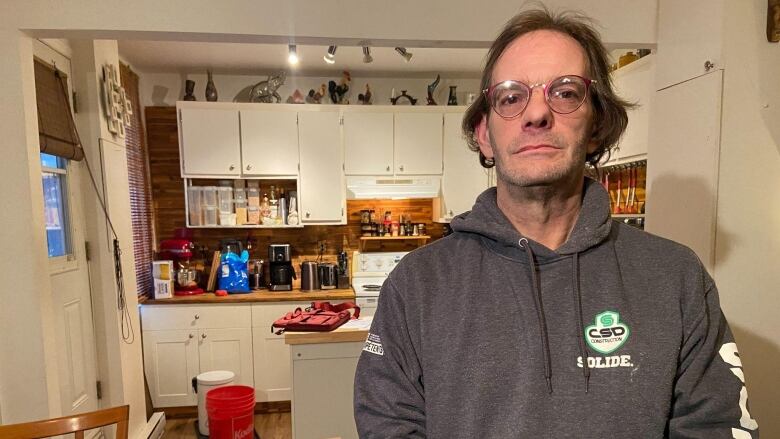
(323, 374)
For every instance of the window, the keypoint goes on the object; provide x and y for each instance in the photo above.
(55, 202)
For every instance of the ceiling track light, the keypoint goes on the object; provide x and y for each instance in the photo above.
(367, 58)
(330, 57)
(406, 55)
(292, 56)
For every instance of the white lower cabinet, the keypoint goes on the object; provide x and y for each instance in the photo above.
(182, 341)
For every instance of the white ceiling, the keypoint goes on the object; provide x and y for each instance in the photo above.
(243, 58)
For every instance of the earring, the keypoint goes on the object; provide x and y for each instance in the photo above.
(490, 161)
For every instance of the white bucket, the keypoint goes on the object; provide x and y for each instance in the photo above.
(202, 384)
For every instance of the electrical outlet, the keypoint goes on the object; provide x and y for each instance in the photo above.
(322, 246)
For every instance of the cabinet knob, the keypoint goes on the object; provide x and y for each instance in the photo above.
(450, 213)
(248, 167)
(708, 65)
(232, 167)
(191, 336)
(197, 316)
(388, 168)
(308, 214)
(401, 168)
(203, 336)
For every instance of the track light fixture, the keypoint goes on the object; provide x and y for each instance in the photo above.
(292, 56)
(367, 58)
(330, 57)
(402, 51)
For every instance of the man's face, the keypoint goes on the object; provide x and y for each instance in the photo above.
(539, 146)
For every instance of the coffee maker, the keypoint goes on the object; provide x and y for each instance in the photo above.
(281, 272)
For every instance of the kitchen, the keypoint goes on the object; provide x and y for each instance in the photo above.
(753, 62)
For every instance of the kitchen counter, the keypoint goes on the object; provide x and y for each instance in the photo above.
(258, 296)
(339, 335)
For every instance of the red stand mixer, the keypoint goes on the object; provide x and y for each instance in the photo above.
(185, 275)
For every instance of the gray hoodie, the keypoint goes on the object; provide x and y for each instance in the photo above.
(486, 334)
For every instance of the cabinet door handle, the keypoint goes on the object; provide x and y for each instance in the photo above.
(248, 167)
(388, 168)
(197, 316)
(401, 168)
(708, 65)
(203, 336)
(191, 336)
(232, 167)
(308, 214)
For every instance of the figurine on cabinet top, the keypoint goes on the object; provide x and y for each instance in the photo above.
(431, 87)
(265, 91)
(365, 98)
(315, 97)
(337, 92)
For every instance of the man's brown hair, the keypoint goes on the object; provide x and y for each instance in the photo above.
(609, 110)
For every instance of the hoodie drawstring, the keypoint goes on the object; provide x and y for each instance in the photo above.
(523, 243)
(575, 279)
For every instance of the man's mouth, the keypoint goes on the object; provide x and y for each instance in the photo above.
(533, 148)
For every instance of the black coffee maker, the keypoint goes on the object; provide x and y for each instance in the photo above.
(281, 272)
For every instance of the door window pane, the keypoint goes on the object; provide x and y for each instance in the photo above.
(55, 205)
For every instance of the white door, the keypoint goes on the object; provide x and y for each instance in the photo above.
(75, 339)
(368, 143)
(269, 142)
(170, 363)
(464, 177)
(322, 175)
(418, 149)
(209, 142)
(227, 349)
(682, 165)
(273, 373)
(636, 83)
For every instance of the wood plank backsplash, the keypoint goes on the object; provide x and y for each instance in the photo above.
(169, 210)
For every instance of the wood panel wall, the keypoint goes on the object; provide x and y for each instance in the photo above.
(169, 212)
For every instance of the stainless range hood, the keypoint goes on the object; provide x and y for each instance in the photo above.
(366, 188)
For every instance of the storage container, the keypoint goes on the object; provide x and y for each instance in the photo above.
(194, 203)
(225, 198)
(210, 196)
(210, 215)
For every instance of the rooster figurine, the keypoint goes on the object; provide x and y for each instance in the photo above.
(365, 98)
(337, 92)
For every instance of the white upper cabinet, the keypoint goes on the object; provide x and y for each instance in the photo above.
(368, 143)
(209, 141)
(690, 39)
(635, 83)
(418, 143)
(322, 191)
(464, 178)
(269, 142)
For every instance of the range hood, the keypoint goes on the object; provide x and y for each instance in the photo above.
(366, 188)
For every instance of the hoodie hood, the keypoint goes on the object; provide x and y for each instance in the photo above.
(592, 226)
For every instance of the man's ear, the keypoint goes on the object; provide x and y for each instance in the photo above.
(483, 138)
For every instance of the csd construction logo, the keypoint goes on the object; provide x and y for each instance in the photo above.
(608, 333)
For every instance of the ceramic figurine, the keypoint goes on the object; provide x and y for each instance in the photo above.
(265, 91)
(296, 97)
(337, 92)
(412, 100)
(365, 98)
(431, 87)
(453, 99)
(315, 97)
(189, 89)
(211, 89)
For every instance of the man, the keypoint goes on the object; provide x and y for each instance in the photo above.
(540, 316)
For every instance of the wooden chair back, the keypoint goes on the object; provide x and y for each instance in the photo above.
(76, 424)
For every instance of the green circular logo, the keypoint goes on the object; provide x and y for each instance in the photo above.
(607, 320)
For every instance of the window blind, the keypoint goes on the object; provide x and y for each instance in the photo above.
(56, 133)
(140, 189)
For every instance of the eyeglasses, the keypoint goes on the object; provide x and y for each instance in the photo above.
(564, 95)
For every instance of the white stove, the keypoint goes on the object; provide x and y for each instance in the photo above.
(369, 271)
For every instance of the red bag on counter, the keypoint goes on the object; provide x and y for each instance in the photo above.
(320, 317)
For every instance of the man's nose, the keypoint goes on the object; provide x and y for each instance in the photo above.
(537, 115)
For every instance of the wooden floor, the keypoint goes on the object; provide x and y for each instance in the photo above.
(268, 426)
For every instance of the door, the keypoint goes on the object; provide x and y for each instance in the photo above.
(418, 148)
(269, 142)
(636, 83)
(170, 363)
(209, 142)
(322, 176)
(227, 349)
(464, 178)
(682, 165)
(368, 143)
(75, 339)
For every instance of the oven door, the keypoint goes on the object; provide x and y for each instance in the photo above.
(367, 305)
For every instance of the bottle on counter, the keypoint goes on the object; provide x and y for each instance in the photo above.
(265, 210)
(282, 218)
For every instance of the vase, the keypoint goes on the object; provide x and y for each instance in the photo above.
(453, 99)
(189, 88)
(211, 89)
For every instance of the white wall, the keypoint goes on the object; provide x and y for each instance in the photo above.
(748, 222)
(167, 88)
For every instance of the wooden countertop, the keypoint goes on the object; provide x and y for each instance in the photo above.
(258, 296)
(339, 335)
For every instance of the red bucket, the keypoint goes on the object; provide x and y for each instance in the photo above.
(231, 411)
